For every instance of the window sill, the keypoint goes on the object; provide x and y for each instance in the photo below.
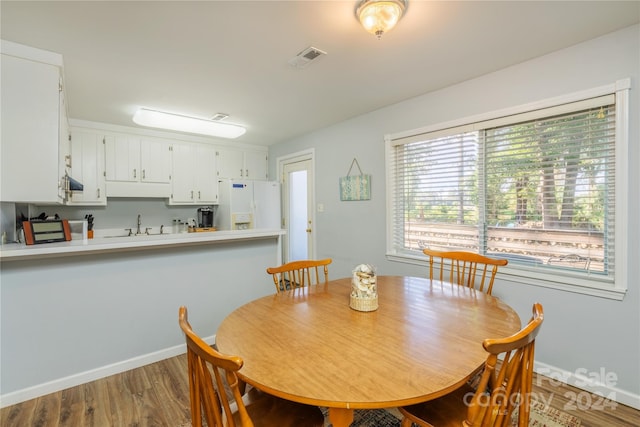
(535, 277)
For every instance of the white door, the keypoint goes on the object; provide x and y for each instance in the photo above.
(297, 192)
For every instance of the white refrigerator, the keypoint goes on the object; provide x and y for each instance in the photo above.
(247, 204)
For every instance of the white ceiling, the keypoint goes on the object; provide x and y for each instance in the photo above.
(204, 57)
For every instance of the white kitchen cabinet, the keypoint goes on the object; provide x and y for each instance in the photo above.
(193, 177)
(31, 88)
(88, 168)
(230, 163)
(122, 158)
(242, 164)
(137, 166)
(255, 165)
(155, 160)
(64, 150)
(137, 159)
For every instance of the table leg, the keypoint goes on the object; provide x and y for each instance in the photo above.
(341, 417)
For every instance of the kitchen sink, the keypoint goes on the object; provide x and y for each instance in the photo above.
(124, 232)
(135, 235)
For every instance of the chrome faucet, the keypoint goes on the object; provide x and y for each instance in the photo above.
(139, 223)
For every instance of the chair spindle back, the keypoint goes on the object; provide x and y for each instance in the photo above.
(465, 268)
(296, 274)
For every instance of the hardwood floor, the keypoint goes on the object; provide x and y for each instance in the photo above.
(591, 409)
(153, 395)
(158, 395)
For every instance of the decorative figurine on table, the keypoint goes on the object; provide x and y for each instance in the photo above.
(364, 294)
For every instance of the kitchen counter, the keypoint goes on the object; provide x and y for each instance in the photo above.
(20, 251)
(123, 293)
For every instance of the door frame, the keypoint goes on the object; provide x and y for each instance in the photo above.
(304, 155)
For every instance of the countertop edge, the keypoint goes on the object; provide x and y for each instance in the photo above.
(18, 251)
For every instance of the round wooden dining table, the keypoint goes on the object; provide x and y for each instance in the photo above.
(307, 345)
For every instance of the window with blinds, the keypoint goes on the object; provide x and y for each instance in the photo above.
(536, 188)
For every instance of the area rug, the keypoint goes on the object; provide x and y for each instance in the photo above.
(541, 416)
(370, 418)
(545, 416)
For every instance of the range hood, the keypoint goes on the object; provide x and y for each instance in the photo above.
(74, 185)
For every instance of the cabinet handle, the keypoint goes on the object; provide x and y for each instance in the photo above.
(241, 172)
(98, 193)
(191, 194)
(247, 172)
(135, 175)
(144, 174)
(199, 196)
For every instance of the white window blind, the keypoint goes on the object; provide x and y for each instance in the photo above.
(436, 196)
(537, 188)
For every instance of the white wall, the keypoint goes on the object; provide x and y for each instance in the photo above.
(581, 333)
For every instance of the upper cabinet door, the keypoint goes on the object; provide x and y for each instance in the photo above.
(64, 149)
(155, 160)
(206, 181)
(87, 167)
(255, 165)
(242, 164)
(193, 180)
(230, 163)
(122, 158)
(182, 186)
(137, 166)
(30, 131)
(135, 159)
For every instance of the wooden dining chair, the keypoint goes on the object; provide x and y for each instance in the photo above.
(300, 273)
(464, 268)
(502, 389)
(217, 394)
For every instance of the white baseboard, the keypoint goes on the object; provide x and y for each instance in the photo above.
(601, 383)
(590, 382)
(94, 374)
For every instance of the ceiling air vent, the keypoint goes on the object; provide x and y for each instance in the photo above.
(304, 58)
(219, 116)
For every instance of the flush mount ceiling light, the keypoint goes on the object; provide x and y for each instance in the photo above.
(380, 16)
(162, 120)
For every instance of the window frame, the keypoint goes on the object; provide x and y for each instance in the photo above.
(521, 273)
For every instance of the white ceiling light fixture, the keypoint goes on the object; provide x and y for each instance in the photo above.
(181, 123)
(380, 16)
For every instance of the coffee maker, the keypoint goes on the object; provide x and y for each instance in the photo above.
(205, 217)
